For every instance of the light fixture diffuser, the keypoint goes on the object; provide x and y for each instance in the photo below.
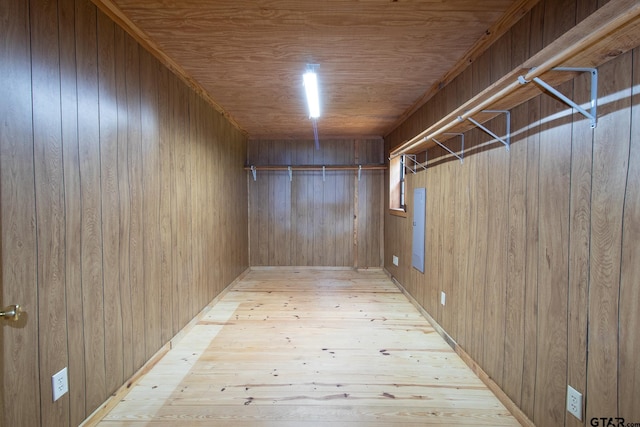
(310, 80)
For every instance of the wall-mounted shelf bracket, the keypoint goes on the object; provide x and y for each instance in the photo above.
(290, 173)
(461, 155)
(323, 175)
(359, 171)
(591, 115)
(416, 164)
(507, 139)
(253, 172)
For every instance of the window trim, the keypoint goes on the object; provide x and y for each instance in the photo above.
(397, 186)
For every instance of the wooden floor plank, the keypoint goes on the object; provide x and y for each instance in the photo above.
(311, 347)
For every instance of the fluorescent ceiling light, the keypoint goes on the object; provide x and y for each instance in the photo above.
(310, 80)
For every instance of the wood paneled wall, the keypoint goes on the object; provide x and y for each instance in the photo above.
(308, 221)
(124, 206)
(536, 248)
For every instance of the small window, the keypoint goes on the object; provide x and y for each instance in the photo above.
(397, 186)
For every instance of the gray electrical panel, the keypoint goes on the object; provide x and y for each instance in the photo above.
(419, 217)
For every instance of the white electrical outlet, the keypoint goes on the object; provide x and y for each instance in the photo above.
(443, 298)
(574, 402)
(395, 260)
(60, 384)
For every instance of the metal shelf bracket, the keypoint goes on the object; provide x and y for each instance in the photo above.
(415, 162)
(507, 139)
(592, 115)
(459, 157)
(290, 174)
(253, 172)
(359, 171)
(323, 175)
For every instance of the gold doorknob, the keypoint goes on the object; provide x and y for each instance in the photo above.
(12, 312)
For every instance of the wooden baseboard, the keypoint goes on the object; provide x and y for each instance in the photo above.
(120, 394)
(484, 377)
(311, 267)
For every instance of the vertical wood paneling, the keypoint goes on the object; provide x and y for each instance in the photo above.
(110, 203)
(481, 255)
(168, 328)
(91, 231)
(515, 286)
(151, 199)
(429, 294)
(517, 232)
(302, 239)
(195, 158)
(580, 225)
(260, 232)
(555, 161)
(345, 212)
(308, 221)
(529, 379)
(198, 201)
(279, 205)
(174, 135)
(134, 156)
(369, 189)
(328, 210)
(98, 157)
(73, 210)
(305, 228)
(553, 249)
(450, 284)
(480, 79)
(471, 318)
(19, 351)
(610, 163)
(126, 306)
(182, 218)
(629, 342)
(462, 225)
(319, 255)
(213, 219)
(211, 211)
(447, 236)
(497, 259)
(363, 206)
(49, 188)
(343, 222)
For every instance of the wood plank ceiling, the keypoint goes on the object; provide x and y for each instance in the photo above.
(377, 57)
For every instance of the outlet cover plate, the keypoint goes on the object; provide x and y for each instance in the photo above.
(443, 298)
(60, 384)
(395, 260)
(574, 402)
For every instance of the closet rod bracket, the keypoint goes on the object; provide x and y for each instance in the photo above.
(415, 161)
(253, 172)
(461, 155)
(592, 115)
(507, 139)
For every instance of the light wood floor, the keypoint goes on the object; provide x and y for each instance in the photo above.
(311, 348)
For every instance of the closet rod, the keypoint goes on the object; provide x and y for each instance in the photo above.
(316, 167)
